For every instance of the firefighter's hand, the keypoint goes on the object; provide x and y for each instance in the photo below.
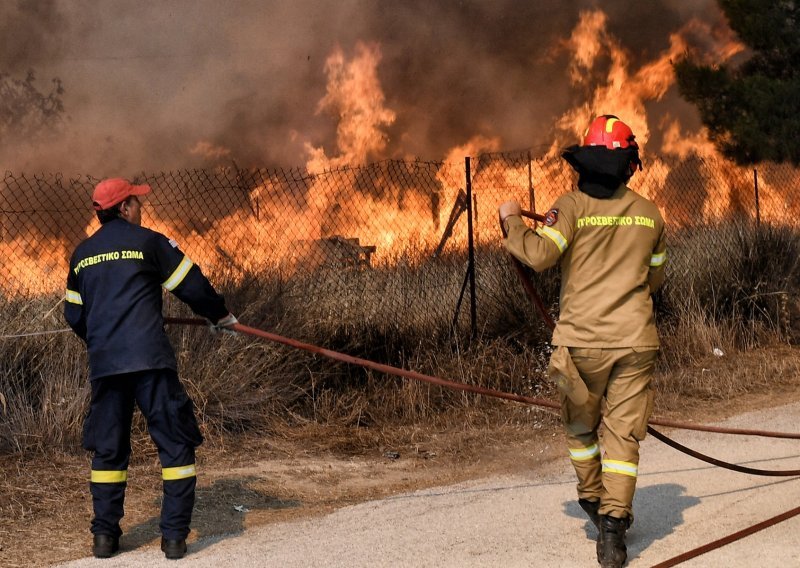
(508, 209)
(224, 324)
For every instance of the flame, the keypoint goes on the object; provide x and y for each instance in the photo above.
(683, 145)
(303, 218)
(451, 173)
(624, 91)
(210, 150)
(355, 97)
(28, 268)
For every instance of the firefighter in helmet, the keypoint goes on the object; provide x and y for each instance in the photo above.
(609, 243)
(113, 302)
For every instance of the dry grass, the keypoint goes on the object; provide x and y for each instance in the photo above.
(243, 385)
(261, 403)
(737, 299)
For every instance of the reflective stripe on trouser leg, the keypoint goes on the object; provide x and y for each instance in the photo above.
(580, 425)
(107, 434)
(586, 461)
(108, 502)
(628, 408)
(176, 509)
(619, 485)
(173, 428)
(179, 488)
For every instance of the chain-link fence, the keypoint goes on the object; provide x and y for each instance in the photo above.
(395, 232)
(708, 205)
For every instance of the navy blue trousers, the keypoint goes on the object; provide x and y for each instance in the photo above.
(173, 427)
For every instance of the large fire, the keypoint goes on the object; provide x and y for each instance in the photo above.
(292, 229)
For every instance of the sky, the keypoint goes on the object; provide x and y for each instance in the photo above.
(158, 85)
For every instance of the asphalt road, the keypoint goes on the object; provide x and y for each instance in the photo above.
(534, 520)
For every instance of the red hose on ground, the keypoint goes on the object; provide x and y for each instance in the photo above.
(388, 369)
(548, 404)
(695, 552)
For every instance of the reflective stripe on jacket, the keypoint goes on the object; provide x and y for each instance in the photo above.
(612, 254)
(114, 297)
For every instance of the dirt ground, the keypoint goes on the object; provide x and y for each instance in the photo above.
(256, 482)
(245, 483)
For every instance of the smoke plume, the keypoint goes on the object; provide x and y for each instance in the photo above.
(156, 85)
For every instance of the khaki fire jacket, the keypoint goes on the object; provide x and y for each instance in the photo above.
(612, 254)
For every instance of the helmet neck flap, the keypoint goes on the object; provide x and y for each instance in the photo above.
(601, 171)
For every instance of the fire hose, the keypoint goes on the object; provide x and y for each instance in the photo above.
(700, 550)
(391, 370)
(475, 389)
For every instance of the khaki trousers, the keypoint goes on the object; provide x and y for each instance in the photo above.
(619, 379)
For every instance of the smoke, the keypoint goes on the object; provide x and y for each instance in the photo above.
(30, 30)
(164, 84)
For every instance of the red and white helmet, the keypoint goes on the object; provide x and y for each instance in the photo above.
(609, 131)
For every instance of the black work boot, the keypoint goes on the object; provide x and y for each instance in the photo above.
(591, 508)
(611, 549)
(105, 545)
(173, 549)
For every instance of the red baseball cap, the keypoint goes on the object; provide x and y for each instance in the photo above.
(111, 191)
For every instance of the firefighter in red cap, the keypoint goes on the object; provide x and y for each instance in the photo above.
(609, 243)
(113, 302)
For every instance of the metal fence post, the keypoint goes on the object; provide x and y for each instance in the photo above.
(473, 311)
(531, 196)
(758, 208)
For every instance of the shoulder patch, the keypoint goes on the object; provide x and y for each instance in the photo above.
(551, 217)
(173, 243)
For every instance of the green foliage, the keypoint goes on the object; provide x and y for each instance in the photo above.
(752, 111)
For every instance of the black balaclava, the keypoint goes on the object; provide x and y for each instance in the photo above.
(601, 170)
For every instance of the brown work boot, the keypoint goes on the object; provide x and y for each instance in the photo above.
(611, 549)
(591, 509)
